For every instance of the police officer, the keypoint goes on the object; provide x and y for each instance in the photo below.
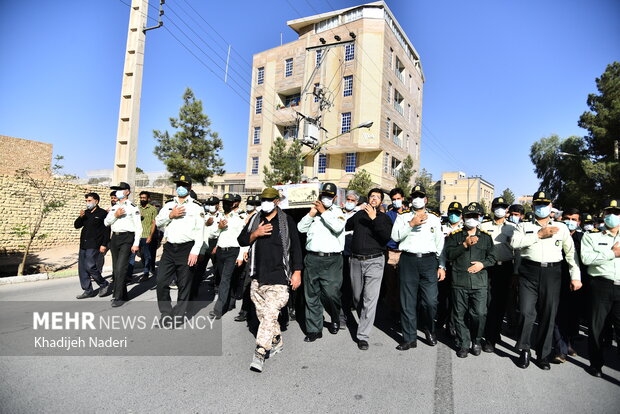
(501, 273)
(227, 253)
(600, 251)
(324, 225)
(126, 226)
(471, 252)
(243, 290)
(589, 224)
(421, 241)
(444, 306)
(183, 220)
(541, 242)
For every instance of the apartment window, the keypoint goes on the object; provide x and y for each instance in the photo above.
(395, 164)
(399, 69)
(398, 102)
(348, 85)
(316, 96)
(389, 94)
(386, 162)
(350, 162)
(322, 163)
(292, 100)
(397, 135)
(260, 76)
(352, 15)
(259, 105)
(326, 24)
(256, 135)
(319, 55)
(254, 165)
(345, 124)
(290, 132)
(349, 52)
(389, 126)
(288, 67)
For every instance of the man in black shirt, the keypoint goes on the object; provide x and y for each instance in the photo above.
(275, 261)
(93, 243)
(371, 232)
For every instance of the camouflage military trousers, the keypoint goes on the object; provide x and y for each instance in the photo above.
(268, 300)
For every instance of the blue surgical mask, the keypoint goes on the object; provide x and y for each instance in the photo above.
(612, 220)
(182, 191)
(454, 218)
(571, 224)
(515, 219)
(542, 211)
(120, 194)
(349, 205)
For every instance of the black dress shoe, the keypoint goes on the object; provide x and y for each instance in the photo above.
(116, 303)
(215, 315)
(105, 290)
(313, 336)
(242, 317)
(362, 345)
(462, 352)
(488, 347)
(524, 359)
(291, 315)
(476, 349)
(407, 345)
(431, 338)
(85, 295)
(594, 371)
(333, 328)
(544, 364)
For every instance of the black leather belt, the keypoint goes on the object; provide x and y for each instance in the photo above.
(541, 264)
(120, 233)
(225, 249)
(324, 254)
(368, 257)
(420, 254)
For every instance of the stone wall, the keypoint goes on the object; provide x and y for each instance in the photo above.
(19, 203)
(17, 153)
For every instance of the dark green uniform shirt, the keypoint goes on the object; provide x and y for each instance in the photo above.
(462, 257)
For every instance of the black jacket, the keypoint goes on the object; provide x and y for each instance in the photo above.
(369, 236)
(94, 232)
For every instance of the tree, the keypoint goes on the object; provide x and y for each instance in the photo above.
(508, 196)
(425, 179)
(194, 149)
(403, 180)
(41, 202)
(285, 163)
(361, 182)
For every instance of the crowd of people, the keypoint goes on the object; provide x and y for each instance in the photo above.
(537, 276)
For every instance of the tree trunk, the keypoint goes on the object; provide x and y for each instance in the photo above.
(20, 269)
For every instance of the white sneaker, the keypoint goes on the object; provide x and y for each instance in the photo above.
(258, 361)
(276, 348)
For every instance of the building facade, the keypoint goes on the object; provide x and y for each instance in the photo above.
(456, 186)
(347, 67)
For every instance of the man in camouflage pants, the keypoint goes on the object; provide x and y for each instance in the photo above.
(275, 262)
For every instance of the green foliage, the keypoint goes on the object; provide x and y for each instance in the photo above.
(194, 149)
(361, 182)
(425, 179)
(285, 163)
(508, 196)
(405, 174)
(139, 170)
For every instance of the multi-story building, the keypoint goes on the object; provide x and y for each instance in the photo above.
(456, 186)
(347, 67)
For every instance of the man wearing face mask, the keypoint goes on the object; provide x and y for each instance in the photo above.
(501, 273)
(147, 216)
(243, 290)
(471, 252)
(275, 262)
(444, 302)
(124, 220)
(183, 221)
(228, 254)
(588, 224)
(371, 232)
(346, 293)
(515, 213)
(390, 273)
(541, 242)
(421, 267)
(601, 253)
(324, 225)
(94, 240)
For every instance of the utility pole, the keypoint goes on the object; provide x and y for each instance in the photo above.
(131, 90)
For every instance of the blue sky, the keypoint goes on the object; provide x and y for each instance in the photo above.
(499, 75)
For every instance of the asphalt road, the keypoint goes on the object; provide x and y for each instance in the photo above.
(329, 375)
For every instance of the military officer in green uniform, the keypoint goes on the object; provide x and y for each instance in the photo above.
(444, 307)
(471, 252)
(324, 225)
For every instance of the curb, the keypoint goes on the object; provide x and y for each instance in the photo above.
(11, 280)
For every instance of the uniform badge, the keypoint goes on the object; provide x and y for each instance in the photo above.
(137, 213)
(432, 229)
(557, 242)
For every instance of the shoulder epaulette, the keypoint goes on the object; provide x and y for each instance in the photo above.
(595, 231)
(456, 231)
(434, 214)
(197, 202)
(132, 204)
(487, 221)
(405, 211)
(485, 232)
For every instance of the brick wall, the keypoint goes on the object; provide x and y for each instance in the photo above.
(17, 153)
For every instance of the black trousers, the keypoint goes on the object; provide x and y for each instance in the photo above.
(418, 277)
(225, 264)
(444, 300)
(471, 302)
(174, 263)
(539, 295)
(120, 248)
(88, 269)
(605, 302)
(500, 280)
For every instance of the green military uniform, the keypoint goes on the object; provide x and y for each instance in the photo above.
(469, 290)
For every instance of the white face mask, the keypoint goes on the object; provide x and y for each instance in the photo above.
(267, 206)
(418, 203)
(211, 209)
(120, 194)
(472, 222)
(250, 208)
(397, 203)
(327, 202)
(588, 227)
(349, 205)
(499, 212)
(90, 206)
